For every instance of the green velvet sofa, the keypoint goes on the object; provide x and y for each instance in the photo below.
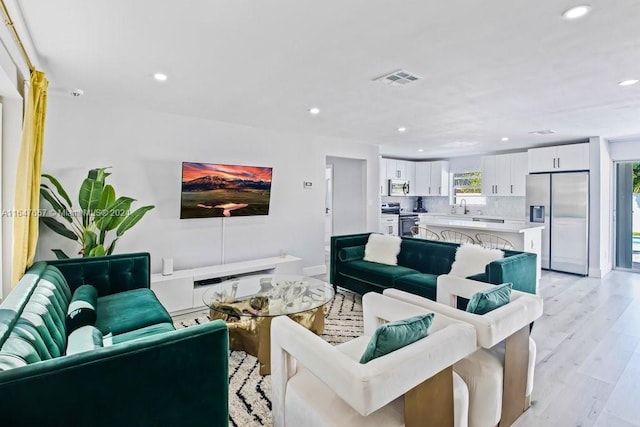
(134, 369)
(420, 262)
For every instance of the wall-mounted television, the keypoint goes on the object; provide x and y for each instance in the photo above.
(216, 190)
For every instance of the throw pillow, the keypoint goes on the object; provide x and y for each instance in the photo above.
(484, 301)
(382, 248)
(472, 259)
(351, 253)
(394, 335)
(82, 309)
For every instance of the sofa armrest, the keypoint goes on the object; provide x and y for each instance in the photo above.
(109, 274)
(340, 242)
(519, 269)
(175, 378)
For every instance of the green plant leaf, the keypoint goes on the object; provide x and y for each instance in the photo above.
(97, 251)
(98, 174)
(132, 219)
(115, 214)
(112, 246)
(60, 254)
(59, 188)
(45, 192)
(58, 227)
(89, 241)
(108, 196)
(89, 197)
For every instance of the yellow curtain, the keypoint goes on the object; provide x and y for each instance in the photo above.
(27, 200)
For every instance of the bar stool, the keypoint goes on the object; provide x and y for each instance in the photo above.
(456, 237)
(424, 233)
(493, 242)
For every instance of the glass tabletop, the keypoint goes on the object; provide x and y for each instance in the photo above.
(268, 295)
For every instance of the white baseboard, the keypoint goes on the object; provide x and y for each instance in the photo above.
(315, 270)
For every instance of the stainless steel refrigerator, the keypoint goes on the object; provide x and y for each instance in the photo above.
(561, 202)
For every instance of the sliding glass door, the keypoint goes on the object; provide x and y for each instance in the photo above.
(627, 216)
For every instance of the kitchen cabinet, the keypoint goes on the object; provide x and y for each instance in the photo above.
(559, 158)
(397, 169)
(504, 174)
(432, 178)
(389, 225)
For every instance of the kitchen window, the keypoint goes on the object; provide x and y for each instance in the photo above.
(468, 186)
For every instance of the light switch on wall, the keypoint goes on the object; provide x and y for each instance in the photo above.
(307, 185)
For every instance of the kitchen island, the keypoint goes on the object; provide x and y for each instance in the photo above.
(523, 236)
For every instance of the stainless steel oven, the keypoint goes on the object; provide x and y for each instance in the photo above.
(406, 221)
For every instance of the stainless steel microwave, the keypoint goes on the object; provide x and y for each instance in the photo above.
(398, 187)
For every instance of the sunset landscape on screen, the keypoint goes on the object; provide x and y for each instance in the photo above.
(216, 190)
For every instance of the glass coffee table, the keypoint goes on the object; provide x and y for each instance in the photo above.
(249, 303)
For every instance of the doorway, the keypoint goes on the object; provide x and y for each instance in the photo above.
(627, 216)
(348, 195)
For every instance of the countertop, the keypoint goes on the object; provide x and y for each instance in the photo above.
(469, 216)
(510, 227)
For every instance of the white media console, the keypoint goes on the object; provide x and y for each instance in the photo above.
(181, 292)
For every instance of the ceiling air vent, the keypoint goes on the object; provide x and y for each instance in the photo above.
(542, 132)
(398, 78)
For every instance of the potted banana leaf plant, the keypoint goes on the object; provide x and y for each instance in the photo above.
(100, 213)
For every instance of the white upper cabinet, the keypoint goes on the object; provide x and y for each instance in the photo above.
(504, 174)
(519, 163)
(410, 175)
(432, 179)
(423, 179)
(559, 158)
(440, 178)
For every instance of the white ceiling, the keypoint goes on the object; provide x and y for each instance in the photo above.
(490, 68)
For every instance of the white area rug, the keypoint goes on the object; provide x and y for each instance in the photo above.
(250, 392)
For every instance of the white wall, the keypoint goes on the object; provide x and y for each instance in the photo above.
(146, 149)
(349, 196)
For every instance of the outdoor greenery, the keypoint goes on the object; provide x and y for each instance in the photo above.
(636, 177)
(100, 213)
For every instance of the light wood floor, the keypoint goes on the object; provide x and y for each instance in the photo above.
(588, 363)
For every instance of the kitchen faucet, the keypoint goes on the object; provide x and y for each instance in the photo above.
(465, 211)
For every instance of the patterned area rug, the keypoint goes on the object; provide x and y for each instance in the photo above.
(250, 392)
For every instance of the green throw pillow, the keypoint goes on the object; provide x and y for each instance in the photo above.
(394, 335)
(484, 301)
(82, 309)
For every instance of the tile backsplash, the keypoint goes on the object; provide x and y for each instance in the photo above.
(507, 207)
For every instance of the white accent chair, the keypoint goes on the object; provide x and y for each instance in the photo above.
(499, 374)
(317, 384)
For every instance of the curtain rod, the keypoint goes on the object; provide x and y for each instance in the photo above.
(9, 23)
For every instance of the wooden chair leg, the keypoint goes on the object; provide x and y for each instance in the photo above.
(516, 364)
(430, 404)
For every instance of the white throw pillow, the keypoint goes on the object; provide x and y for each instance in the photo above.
(382, 248)
(472, 259)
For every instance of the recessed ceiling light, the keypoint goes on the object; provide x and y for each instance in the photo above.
(402, 129)
(628, 82)
(420, 150)
(504, 138)
(314, 110)
(160, 77)
(542, 132)
(576, 12)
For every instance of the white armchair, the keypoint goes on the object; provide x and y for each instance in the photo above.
(499, 374)
(317, 384)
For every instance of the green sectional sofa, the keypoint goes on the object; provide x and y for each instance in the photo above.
(127, 367)
(420, 262)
